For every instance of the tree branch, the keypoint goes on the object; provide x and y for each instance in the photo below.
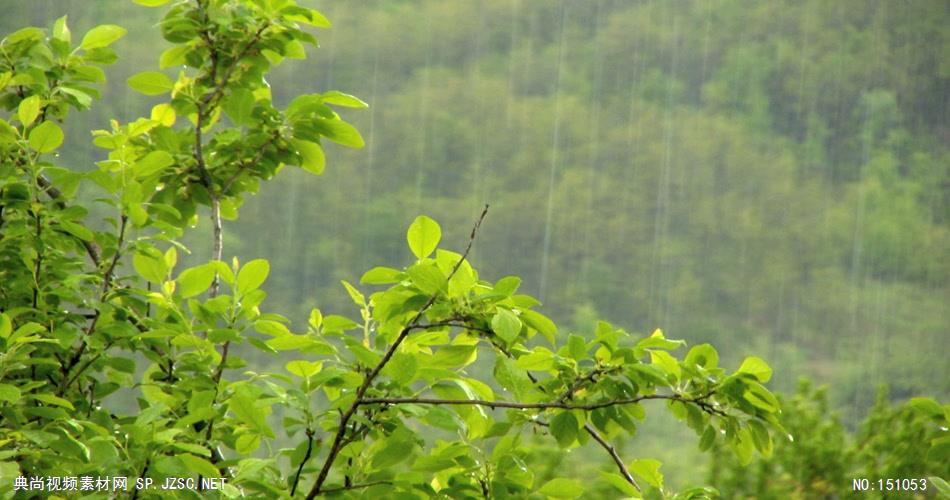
(368, 381)
(524, 406)
(613, 454)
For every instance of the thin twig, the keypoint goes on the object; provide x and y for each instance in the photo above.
(368, 381)
(306, 456)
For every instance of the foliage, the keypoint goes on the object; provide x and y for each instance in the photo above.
(909, 441)
(116, 360)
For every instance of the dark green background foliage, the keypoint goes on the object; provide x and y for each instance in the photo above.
(772, 178)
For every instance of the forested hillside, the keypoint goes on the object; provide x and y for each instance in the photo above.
(769, 177)
(769, 171)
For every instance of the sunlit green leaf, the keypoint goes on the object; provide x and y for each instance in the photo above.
(666, 362)
(757, 367)
(340, 99)
(541, 323)
(382, 276)
(649, 470)
(46, 137)
(150, 268)
(423, 236)
(195, 280)
(151, 83)
(252, 275)
(304, 369)
(102, 36)
(562, 488)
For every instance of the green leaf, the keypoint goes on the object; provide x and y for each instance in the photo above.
(199, 466)
(540, 359)
(562, 488)
(340, 99)
(649, 470)
(53, 400)
(392, 453)
(354, 294)
(564, 428)
(402, 368)
(270, 327)
(102, 36)
(665, 361)
(760, 437)
(506, 325)
(507, 286)
(309, 16)
(28, 110)
(239, 105)
(173, 56)
(304, 369)
(252, 275)
(657, 340)
(152, 163)
(453, 356)
(756, 367)
(382, 276)
(151, 83)
(9, 393)
(742, 446)
(940, 484)
(339, 132)
(6, 326)
(703, 355)
(926, 405)
(244, 406)
(247, 443)
(195, 280)
(617, 481)
(423, 236)
(427, 277)
(61, 31)
(311, 154)
(577, 347)
(760, 397)
(150, 268)
(8, 134)
(69, 446)
(151, 3)
(77, 230)
(512, 378)
(541, 323)
(708, 438)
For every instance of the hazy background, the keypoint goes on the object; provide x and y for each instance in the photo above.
(771, 177)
